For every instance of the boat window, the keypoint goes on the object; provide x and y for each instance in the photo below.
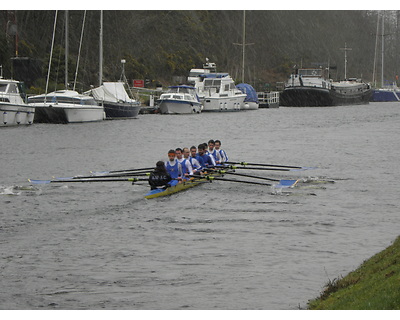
(208, 83)
(232, 86)
(12, 88)
(166, 96)
(3, 87)
(188, 97)
(227, 87)
(178, 97)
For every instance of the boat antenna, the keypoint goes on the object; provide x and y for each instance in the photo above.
(79, 52)
(51, 55)
(345, 59)
(101, 50)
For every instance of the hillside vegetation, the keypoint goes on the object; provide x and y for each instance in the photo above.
(159, 45)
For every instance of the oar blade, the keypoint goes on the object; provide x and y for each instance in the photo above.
(33, 181)
(286, 183)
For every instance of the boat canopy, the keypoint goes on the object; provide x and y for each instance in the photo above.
(112, 92)
(251, 94)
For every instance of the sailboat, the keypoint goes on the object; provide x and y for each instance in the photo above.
(65, 106)
(390, 92)
(112, 95)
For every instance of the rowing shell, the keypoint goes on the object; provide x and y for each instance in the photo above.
(174, 189)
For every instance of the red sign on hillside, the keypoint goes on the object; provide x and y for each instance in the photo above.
(138, 83)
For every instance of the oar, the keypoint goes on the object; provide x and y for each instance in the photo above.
(118, 171)
(243, 163)
(245, 175)
(86, 180)
(145, 173)
(211, 178)
(255, 168)
(282, 183)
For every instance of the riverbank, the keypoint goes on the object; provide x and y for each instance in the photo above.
(373, 286)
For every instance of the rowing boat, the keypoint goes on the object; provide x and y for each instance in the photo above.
(161, 192)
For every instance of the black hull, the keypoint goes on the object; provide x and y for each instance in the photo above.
(305, 97)
(340, 99)
(120, 110)
(50, 115)
(318, 97)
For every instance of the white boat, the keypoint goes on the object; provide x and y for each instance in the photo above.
(179, 100)
(13, 107)
(217, 92)
(115, 100)
(65, 106)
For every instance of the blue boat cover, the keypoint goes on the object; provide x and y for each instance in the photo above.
(249, 90)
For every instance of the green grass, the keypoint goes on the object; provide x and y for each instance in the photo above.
(375, 285)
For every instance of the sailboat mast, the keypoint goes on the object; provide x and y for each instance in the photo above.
(51, 54)
(66, 49)
(101, 50)
(383, 46)
(244, 42)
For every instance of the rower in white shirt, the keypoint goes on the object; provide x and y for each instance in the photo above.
(187, 169)
(211, 151)
(221, 154)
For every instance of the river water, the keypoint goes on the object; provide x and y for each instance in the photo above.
(221, 245)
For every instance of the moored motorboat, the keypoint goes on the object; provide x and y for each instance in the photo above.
(217, 92)
(180, 99)
(115, 100)
(65, 106)
(13, 107)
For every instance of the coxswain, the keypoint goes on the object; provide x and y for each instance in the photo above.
(159, 178)
(173, 168)
(186, 167)
(211, 151)
(221, 154)
(205, 160)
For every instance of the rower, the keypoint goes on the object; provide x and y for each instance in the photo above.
(211, 151)
(159, 178)
(221, 154)
(204, 159)
(173, 168)
(197, 168)
(186, 167)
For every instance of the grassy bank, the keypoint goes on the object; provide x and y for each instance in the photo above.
(374, 285)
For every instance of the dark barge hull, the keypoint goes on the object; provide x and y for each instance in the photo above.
(116, 110)
(305, 97)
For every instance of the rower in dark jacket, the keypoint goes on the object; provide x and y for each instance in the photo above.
(159, 178)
